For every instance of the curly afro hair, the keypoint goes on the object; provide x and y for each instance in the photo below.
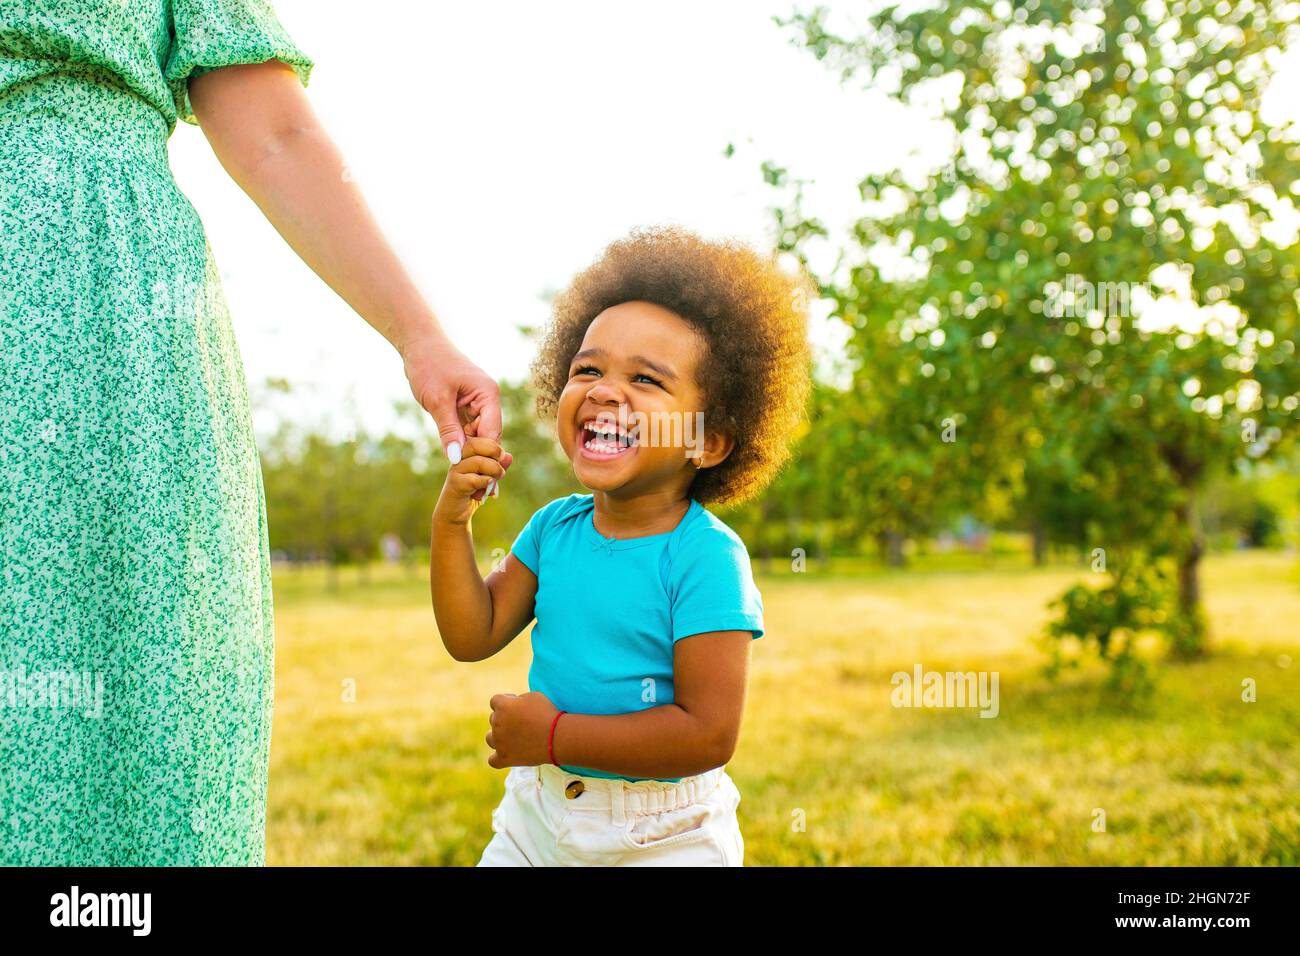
(751, 314)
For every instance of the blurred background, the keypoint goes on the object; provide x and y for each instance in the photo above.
(1053, 434)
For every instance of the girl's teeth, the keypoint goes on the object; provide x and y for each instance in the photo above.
(603, 447)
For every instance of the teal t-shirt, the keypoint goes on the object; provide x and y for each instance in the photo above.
(609, 611)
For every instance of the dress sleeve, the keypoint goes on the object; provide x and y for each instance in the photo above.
(208, 34)
(711, 587)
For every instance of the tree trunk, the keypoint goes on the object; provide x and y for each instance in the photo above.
(891, 548)
(1040, 543)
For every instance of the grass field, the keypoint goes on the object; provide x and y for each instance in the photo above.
(829, 772)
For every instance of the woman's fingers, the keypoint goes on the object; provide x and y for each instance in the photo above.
(478, 396)
(453, 390)
(489, 416)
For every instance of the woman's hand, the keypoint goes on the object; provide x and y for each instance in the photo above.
(454, 391)
(521, 729)
(472, 478)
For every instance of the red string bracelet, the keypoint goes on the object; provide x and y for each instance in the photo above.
(550, 743)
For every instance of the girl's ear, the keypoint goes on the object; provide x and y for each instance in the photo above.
(717, 446)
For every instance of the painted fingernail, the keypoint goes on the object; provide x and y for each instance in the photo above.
(453, 453)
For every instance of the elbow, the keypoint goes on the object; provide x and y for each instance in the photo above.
(462, 644)
(463, 655)
(465, 649)
(459, 649)
(259, 156)
(719, 746)
(282, 139)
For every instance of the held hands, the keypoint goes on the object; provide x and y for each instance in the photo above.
(482, 461)
(521, 729)
(453, 390)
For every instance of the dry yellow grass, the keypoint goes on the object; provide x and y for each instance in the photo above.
(399, 776)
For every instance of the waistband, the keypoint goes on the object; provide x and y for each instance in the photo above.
(81, 114)
(623, 798)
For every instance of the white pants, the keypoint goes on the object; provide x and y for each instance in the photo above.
(552, 818)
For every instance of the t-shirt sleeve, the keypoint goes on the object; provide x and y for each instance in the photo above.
(712, 587)
(528, 543)
(208, 34)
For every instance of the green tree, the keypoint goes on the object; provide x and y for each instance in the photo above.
(1105, 263)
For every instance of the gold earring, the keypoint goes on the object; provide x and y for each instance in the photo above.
(699, 462)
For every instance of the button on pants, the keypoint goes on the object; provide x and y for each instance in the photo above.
(549, 817)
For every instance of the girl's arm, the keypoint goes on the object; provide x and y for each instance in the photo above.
(262, 128)
(695, 733)
(476, 618)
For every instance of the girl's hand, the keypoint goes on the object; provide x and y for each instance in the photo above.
(521, 730)
(467, 485)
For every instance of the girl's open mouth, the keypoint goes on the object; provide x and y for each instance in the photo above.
(605, 441)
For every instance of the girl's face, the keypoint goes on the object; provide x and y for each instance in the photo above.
(635, 374)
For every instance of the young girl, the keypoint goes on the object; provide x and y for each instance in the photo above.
(644, 601)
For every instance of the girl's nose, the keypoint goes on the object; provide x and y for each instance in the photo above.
(603, 392)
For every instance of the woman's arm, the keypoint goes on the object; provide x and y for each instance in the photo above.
(267, 137)
(695, 733)
(476, 618)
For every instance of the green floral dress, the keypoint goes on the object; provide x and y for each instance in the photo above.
(136, 641)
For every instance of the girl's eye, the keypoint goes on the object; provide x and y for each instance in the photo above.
(584, 369)
(648, 378)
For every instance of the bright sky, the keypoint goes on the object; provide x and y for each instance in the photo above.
(503, 144)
